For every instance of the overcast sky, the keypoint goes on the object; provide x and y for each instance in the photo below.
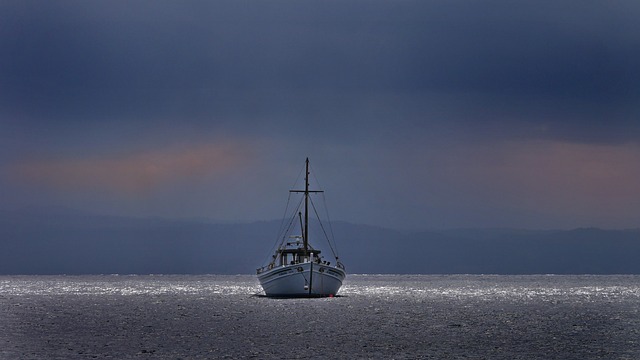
(415, 114)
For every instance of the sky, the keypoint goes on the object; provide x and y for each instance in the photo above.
(414, 114)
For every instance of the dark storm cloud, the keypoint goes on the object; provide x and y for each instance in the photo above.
(501, 68)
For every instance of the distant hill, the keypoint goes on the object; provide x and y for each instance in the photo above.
(33, 242)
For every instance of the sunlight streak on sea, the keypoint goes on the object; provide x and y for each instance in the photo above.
(130, 285)
(483, 287)
(373, 316)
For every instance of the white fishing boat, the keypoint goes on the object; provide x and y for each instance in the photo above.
(297, 269)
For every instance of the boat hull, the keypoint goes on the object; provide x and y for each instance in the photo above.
(302, 280)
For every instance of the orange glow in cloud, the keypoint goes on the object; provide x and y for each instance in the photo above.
(587, 181)
(573, 170)
(572, 183)
(133, 173)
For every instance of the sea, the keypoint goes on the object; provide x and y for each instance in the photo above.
(372, 317)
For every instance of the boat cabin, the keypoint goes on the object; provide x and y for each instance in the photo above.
(298, 256)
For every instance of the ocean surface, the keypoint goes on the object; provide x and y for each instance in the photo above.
(375, 316)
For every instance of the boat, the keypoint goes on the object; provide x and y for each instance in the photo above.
(296, 268)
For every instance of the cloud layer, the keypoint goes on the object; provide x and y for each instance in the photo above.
(492, 113)
(132, 173)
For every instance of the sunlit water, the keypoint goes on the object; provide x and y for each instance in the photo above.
(375, 316)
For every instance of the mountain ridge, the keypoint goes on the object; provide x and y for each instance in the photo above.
(80, 243)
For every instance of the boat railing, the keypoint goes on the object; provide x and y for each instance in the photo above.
(265, 268)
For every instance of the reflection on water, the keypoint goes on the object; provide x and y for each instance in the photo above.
(128, 285)
(542, 287)
(375, 316)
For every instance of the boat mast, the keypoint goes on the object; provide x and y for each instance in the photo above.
(306, 209)
(306, 191)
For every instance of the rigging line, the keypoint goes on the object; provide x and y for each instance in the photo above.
(291, 221)
(313, 173)
(326, 209)
(275, 244)
(288, 230)
(284, 216)
(282, 232)
(298, 178)
(293, 214)
(335, 255)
